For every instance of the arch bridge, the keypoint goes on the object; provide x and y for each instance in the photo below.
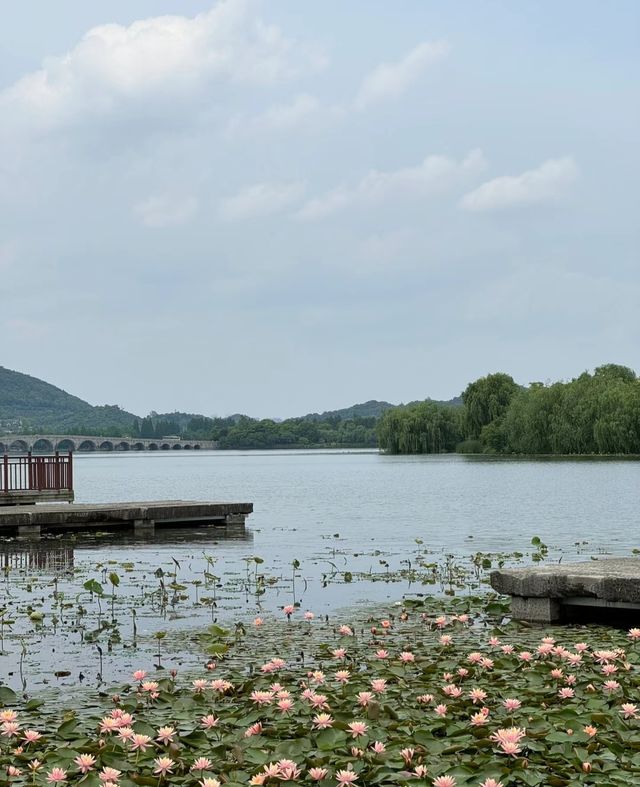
(47, 443)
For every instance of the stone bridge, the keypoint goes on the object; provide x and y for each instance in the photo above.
(47, 443)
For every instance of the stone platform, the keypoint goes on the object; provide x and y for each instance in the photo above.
(552, 593)
(141, 517)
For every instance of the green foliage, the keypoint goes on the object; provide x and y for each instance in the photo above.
(247, 433)
(424, 428)
(596, 413)
(487, 400)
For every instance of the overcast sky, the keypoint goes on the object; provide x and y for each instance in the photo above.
(283, 207)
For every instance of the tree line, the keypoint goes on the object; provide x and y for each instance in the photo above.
(595, 413)
(244, 433)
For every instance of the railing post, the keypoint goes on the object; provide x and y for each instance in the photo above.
(70, 472)
(5, 473)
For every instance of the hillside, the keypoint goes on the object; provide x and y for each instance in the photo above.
(370, 409)
(28, 404)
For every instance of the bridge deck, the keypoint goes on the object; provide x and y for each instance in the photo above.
(30, 520)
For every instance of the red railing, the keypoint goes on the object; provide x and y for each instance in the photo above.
(36, 473)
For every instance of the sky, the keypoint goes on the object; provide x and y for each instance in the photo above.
(280, 207)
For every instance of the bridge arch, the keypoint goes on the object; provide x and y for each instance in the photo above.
(137, 447)
(176, 447)
(187, 447)
(66, 444)
(196, 447)
(87, 445)
(106, 445)
(19, 445)
(123, 445)
(165, 446)
(41, 445)
(153, 446)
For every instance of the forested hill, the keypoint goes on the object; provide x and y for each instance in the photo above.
(30, 404)
(370, 409)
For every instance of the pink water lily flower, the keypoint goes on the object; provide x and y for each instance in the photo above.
(322, 721)
(201, 764)
(511, 704)
(31, 736)
(140, 742)
(164, 765)
(365, 697)
(508, 739)
(444, 781)
(208, 722)
(345, 778)
(318, 774)
(109, 774)
(491, 783)
(57, 776)
(285, 704)
(357, 728)
(85, 762)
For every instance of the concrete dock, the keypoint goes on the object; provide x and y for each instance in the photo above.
(141, 517)
(553, 593)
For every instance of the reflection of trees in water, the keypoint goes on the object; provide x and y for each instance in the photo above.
(40, 556)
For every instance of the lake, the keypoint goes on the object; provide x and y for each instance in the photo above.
(362, 528)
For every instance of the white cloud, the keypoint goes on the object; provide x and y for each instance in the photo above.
(260, 199)
(389, 80)
(546, 183)
(433, 175)
(165, 210)
(161, 58)
(303, 111)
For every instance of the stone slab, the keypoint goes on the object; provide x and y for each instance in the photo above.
(609, 579)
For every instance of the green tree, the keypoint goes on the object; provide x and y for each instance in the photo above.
(486, 400)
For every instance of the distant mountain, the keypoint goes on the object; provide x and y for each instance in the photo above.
(370, 409)
(28, 404)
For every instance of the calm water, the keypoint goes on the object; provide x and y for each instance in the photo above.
(332, 511)
(387, 501)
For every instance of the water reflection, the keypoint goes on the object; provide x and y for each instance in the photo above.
(56, 554)
(39, 556)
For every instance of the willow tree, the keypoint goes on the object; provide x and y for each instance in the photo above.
(487, 400)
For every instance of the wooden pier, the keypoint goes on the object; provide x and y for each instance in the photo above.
(139, 517)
